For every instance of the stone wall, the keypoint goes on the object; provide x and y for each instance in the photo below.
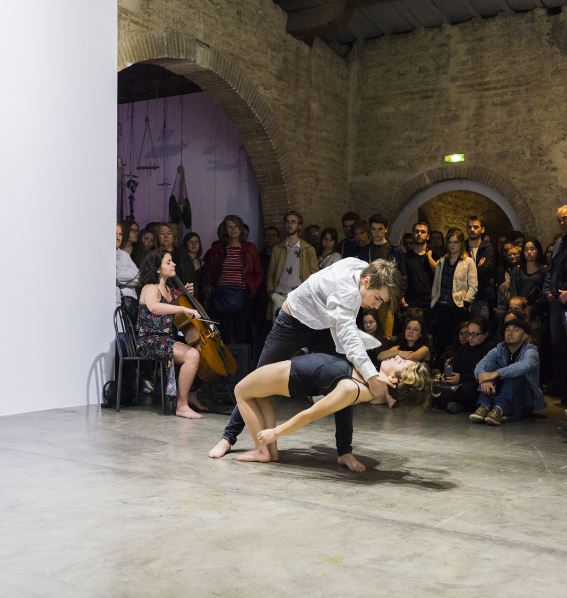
(493, 89)
(293, 97)
(450, 209)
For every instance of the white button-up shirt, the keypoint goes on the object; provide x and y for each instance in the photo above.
(331, 299)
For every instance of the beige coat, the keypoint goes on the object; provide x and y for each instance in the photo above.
(465, 282)
(307, 263)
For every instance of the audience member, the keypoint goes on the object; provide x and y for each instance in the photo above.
(191, 263)
(527, 280)
(420, 269)
(458, 388)
(508, 376)
(413, 344)
(437, 244)
(407, 242)
(361, 232)
(327, 254)
(312, 235)
(555, 289)
(292, 262)
(166, 239)
(448, 352)
(503, 292)
(144, 245)
(347, 247)
(370, 325)
(232, 275)
(483, 255)
(130, 236)
(126, 271)
(454, 289)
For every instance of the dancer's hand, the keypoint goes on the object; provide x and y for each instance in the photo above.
(267, 436)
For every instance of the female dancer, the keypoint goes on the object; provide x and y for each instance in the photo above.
(314, 374)
(156, 333)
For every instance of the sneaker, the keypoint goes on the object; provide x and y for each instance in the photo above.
(479, 415)
(495, 417)
(454, 407)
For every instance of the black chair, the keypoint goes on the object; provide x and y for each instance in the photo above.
(126, 347)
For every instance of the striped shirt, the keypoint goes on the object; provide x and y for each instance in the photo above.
(232, 268)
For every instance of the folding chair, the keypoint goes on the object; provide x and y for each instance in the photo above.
(126, 346)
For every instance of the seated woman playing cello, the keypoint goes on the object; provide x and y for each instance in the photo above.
(156, 333)
(315, 374)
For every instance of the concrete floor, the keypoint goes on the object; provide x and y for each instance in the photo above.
(96, 503)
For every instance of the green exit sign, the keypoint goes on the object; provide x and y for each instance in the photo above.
(452, 158)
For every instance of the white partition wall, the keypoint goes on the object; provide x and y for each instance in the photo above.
(57, 201)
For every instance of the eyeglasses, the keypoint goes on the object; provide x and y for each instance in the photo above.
(474, 334)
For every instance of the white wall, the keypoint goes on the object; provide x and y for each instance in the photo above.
(58, 193)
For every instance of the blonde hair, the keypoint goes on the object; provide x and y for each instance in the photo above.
(416, 383)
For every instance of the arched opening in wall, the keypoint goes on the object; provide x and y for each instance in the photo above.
(447, 204)
(181, 159)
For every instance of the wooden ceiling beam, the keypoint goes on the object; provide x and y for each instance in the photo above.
(308, 19)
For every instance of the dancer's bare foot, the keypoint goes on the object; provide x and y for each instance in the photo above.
(220, 449)
(351, 463)
(260, 455)
(187, 413)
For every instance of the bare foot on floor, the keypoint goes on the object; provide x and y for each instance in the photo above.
(187, 413)
(257, 455)
(220, 449)
(351, 463)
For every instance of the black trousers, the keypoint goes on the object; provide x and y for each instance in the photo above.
(286, 338)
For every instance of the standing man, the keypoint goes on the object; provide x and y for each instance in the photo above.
(381, 248)
(555, 288)
(483, 256)
(292, 262)
(321, 315)
(420, 268)
(347, 247)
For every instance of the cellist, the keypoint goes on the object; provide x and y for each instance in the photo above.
(157, 334)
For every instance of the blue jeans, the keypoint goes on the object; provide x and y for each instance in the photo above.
(513, 396)
(286, 338)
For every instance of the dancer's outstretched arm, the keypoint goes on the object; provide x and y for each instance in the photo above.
(343, 395)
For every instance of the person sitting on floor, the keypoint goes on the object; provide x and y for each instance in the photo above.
(509, 377)
(449, 351)
(457, 390)
(413, 344)
(315, 374)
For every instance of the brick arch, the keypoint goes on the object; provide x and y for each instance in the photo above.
(417, 191)
(220, 76)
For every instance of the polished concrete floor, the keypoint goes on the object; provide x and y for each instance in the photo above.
(96, 503)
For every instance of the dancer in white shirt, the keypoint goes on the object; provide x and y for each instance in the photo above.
(321, 315)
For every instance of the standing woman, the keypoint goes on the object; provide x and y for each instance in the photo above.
(232, 275)
(327, 254)
(191, 263)
(146, 242)
(126, 270)
(454, 288)
(156, 332)
(167, 240)
(130, 235)
(527, 280)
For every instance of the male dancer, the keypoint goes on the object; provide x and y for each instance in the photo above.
(321, 315)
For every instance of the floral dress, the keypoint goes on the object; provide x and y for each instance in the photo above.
(156, 337)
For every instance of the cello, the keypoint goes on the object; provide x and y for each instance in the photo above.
(216, 362)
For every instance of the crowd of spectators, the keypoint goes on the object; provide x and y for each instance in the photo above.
(483, 316)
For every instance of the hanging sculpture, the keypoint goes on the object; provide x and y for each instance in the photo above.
(179, 206)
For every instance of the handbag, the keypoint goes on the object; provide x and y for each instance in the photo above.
(228, 299)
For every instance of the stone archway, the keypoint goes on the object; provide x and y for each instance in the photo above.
(453, 178)
(221, 78)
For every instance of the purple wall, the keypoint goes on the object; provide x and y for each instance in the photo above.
(219, 176)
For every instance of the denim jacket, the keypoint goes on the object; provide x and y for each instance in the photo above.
(526, 364)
